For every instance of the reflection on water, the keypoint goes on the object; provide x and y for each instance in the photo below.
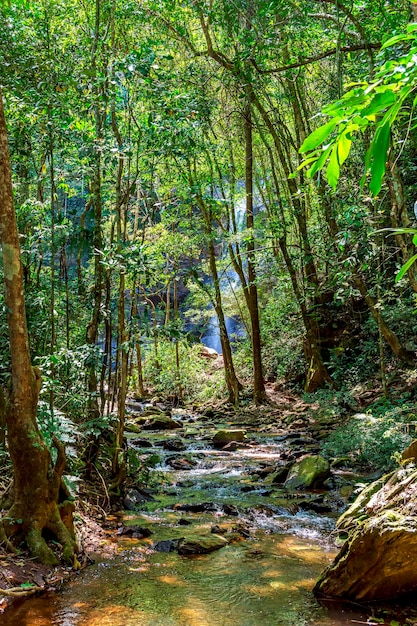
(258, 582)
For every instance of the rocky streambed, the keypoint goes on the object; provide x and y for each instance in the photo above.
(229, 523)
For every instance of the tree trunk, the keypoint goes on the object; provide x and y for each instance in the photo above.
(259, 394)
(36, 479)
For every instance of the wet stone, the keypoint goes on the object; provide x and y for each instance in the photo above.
(181, 464)
(201, 544)
(168, 545)
(141, 443)
(161, 422)
(135, 497)
(174, 445)
(136, 532)
(202, 507)
(224, 437)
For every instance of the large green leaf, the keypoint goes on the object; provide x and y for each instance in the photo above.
(378, 157)
(379, 102)
(318, 136)
(343, 147)
(333, 168)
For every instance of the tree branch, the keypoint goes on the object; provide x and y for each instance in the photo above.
(323, 55)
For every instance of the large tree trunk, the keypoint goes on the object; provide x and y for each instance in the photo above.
(259, 394)
(36, 479)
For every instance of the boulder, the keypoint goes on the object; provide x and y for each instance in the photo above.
(311, 471)
(410, 452)
(223, 437)
(161, 422)
(201, 544)
(135, 497)
(377, 560)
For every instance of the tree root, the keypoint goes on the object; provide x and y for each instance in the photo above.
(19, 592)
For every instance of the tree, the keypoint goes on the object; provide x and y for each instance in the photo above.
(37, 480)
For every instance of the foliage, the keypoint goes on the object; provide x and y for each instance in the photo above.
(195, 375)
(377, 104)
(376, 437)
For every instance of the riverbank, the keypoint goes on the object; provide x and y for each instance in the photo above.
(185, 486)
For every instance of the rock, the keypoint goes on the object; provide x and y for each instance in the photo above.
(230, 509)
(410, 452)
(134, 497)
(218, 530)
(208, 353)
(174, 445)
(316, 506)
(132, 428)
(201, 544)
(223, 437)
(311, 471)
(184, 522)
(154, 409)
(168, 545)
(181, 464)
(203, 507)
(377, 561)
(161, 422)
(141, 443)
(279, 476)
(137, 532)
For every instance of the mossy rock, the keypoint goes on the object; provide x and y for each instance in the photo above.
(161, 422)
(377, 561)
(223, 437)
(311, 471)
(201, 544)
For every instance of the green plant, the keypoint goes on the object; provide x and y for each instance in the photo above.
(373, 438)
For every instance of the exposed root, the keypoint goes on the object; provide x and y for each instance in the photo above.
(19, 592)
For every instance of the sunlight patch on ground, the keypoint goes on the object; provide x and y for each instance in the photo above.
(171, 580)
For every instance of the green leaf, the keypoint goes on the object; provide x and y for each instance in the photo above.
(396, 39)
(318, 136)
(377, 157)
(318, 165)
(343, 148)
(405, 267)
(333, 169)
(379, 102)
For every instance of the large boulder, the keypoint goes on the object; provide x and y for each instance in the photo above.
(223, 437)
(310, 471)
(377, 561)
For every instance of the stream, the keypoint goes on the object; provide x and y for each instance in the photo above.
(263, 577)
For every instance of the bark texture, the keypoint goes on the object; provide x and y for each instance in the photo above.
(37, 479)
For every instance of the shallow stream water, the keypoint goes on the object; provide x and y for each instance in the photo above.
(264, 579)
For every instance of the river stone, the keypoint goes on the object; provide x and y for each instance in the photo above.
(311, 471)
(134, 497)
(174, 445)
(161, 422)
(377, 561)
(223, 437)
(201, 544)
